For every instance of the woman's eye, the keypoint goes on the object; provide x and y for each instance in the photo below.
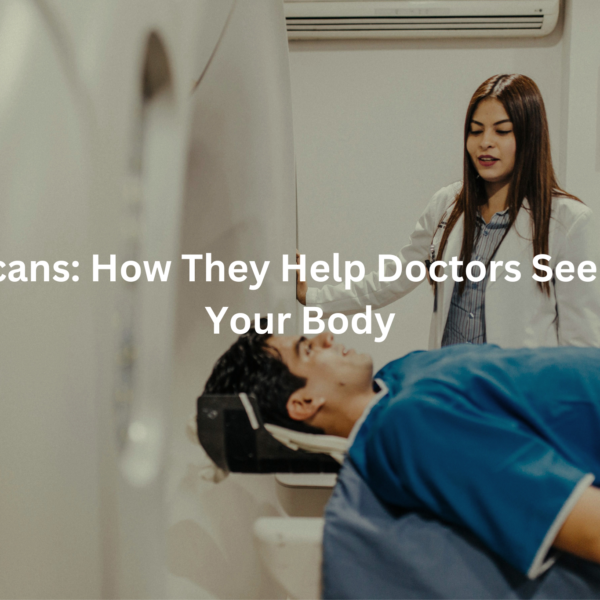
(502, 132)
(474, 132)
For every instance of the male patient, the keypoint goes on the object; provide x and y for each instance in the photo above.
(503, 442)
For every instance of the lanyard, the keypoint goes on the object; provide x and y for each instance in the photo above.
(431, 260)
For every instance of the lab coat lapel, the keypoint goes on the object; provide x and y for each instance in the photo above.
(516, 245)
(453, 247)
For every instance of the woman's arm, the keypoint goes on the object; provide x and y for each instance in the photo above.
(372, 291)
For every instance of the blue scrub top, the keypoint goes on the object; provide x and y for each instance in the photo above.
(494, 440)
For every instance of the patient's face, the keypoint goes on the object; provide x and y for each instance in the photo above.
(329, 368)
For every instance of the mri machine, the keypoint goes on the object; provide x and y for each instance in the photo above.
(144, 129)
(147, 129)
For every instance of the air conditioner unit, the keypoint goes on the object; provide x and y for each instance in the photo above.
(326, 19)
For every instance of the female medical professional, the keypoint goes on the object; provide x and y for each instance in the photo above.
(508, 207)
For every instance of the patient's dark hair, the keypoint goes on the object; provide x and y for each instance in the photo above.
(253, 367)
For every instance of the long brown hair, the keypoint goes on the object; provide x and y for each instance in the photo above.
(533, 176)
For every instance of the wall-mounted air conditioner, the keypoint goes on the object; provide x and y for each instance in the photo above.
(326, 19)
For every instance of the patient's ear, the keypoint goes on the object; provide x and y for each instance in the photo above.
(301, 406)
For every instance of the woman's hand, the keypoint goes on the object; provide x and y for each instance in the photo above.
(301, 286)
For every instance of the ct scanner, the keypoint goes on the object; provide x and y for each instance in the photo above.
(144, 129)
(148, 129)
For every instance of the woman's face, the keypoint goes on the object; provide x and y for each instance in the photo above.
(491, 142)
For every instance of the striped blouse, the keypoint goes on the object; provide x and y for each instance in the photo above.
(466, 317)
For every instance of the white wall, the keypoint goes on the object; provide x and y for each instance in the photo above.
(581, 105)
(378, 130)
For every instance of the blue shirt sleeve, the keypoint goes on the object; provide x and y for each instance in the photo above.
(470, 468)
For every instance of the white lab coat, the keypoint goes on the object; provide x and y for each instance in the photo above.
(517, 314)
